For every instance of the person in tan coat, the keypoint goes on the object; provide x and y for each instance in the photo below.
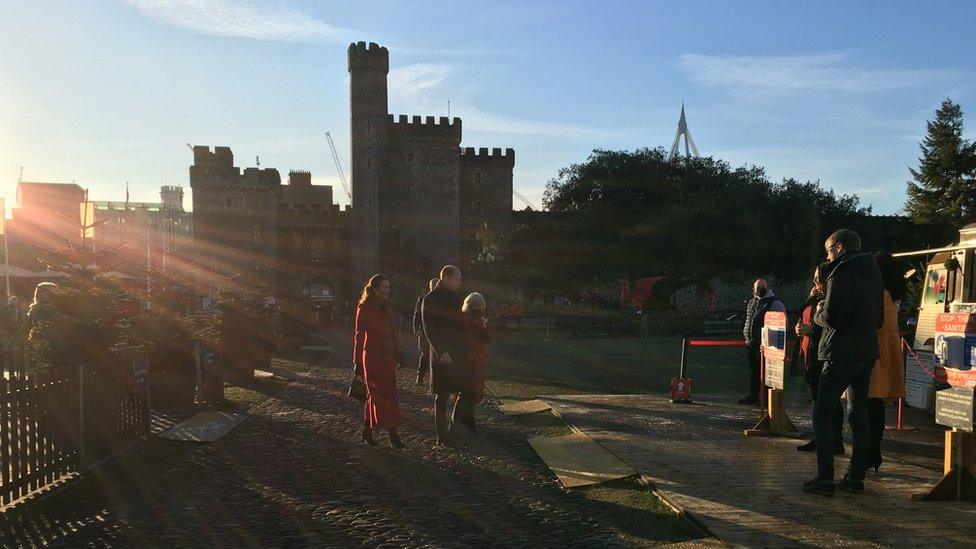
(888, 375)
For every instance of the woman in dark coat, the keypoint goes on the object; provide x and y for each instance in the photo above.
(478, 337)
(806, 353)
(376, 355)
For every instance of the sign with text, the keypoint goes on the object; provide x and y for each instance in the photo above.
(774, 349)
(955, 347)
(954, 408)
(918, 382)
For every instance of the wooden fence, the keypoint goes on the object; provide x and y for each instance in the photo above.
(61, 421)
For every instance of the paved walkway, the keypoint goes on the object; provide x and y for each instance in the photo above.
(295, 474)
(746, 490)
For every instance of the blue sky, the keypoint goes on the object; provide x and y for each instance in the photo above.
(110, 91)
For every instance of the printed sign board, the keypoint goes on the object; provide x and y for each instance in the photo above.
(954, 408)
(955, 347)
(774, 349)
(918, 383)
(140, 371)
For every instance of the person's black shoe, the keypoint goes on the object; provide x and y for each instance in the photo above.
(808, 447)
(853, 486)
(368, 437)
(395, 440)
(819, 487)
(749, 400)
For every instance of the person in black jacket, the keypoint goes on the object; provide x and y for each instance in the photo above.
(805, 354)
(423, 360)
(450, 369)
(851, 314)
(763, 301)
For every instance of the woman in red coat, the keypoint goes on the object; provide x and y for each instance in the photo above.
(377, 353)
(477, 336)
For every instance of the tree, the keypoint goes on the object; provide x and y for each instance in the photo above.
(636, 213)
(944, 190)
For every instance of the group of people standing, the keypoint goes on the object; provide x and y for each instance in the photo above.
(452, 335)
(849, 342)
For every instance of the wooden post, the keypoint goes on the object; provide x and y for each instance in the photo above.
(81, 417)
(775, 422)
(959, 482)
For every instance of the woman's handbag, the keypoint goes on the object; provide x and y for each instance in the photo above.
(357, 389)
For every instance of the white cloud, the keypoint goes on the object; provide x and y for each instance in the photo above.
(426, 87)
(231, 18)
(798, 73)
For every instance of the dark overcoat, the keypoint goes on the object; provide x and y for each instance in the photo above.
(444, 328)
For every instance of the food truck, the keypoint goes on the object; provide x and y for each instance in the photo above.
(945, 336)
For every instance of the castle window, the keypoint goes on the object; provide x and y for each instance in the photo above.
(477, 206)
(369, 127)
(409, 157)
(369, 163)
(297, 242)
(477, 180)
(317, 248)
(257, 234)
(234, 202)
(336, 242)
(412, 191)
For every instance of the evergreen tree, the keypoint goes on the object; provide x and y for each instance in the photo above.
(944, 189)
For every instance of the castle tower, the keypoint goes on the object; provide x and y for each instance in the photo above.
(368, 69)
(172, 198)
(682, 131)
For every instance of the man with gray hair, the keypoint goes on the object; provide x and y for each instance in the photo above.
(423, 363)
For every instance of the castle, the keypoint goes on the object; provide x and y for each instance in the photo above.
(418, 199)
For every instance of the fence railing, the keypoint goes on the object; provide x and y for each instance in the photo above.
(60, 421)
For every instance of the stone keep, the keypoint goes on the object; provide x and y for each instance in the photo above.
(411, 178)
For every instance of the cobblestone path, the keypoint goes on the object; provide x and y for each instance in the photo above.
(296, 474)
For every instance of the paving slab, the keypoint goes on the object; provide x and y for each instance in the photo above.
(207, 426)
(579, 461)
(523, 407)
(746, 490)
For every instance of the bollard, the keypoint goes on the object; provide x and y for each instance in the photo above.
(681, 385)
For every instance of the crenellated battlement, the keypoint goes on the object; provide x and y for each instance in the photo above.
(482, 157)
(425, 126)
(299, 178)
(368, 57)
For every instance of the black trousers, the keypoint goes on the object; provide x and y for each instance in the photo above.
(876, 418)
(813, 380)
(834, 380)
(423, 361)
(463, 413)
(753, 354)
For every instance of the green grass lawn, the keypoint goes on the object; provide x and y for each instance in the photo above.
(521, 365)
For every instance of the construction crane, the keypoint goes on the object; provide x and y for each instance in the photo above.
(335, 158)
(524, 200)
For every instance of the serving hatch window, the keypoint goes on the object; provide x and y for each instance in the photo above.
(935, 287)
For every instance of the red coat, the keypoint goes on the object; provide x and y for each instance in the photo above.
(477, 336)
(377, 352)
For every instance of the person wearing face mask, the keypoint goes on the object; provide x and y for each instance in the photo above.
(763, 301)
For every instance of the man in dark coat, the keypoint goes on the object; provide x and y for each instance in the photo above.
(851, 314)
(423, 360)
(450, 369)
(763, 301)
